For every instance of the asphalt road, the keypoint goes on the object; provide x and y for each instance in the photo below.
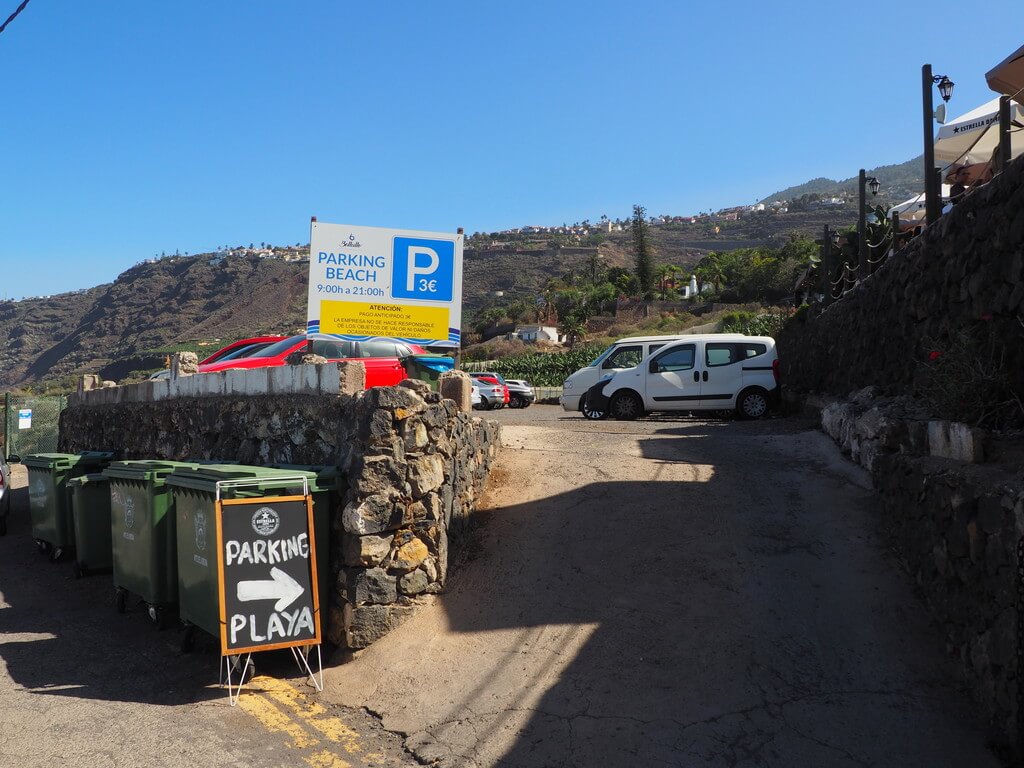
(663, 592)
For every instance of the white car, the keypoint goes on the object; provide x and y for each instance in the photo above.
(711, 372)
(475, 396)
(624, 353)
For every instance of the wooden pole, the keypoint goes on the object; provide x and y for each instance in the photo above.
(862, 239)
(1004, 134)
(932, 203)
(826, 265)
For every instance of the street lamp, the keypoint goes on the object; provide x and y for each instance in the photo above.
(932, 188)
(945, 86)
(862, 241)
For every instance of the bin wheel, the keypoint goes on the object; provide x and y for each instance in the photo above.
(159, 616)
(237, 666)
(56, 554)
(80, 570)
(42, 546)
(188, 640)
(120, 599)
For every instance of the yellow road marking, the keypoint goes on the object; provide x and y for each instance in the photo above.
(327, 760)
(275, 720)
(312, 713)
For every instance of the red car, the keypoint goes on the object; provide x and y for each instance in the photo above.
(381, 358)
(241, 346)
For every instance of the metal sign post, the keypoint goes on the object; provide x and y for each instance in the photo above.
(267, 578)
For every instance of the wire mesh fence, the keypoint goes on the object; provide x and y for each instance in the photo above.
(31, 423)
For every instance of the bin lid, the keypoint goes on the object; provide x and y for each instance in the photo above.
(328, 478)
(146, 470)
(95, 478)
(205, 477)
(95, 458)
(440, 363)
(51, 460)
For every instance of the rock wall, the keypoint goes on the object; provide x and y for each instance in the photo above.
(966, 268)
(956, 525)
(414, 465)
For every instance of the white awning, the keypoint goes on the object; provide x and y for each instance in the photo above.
(972, 137)
(913, 209)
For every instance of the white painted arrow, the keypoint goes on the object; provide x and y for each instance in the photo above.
(280, 587)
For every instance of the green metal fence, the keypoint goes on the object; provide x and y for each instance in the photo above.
(31, 423)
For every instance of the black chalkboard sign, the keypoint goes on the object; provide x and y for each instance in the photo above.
(267, 574)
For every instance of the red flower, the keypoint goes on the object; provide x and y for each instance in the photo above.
(933, 356)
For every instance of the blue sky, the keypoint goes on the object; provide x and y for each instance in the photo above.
(129, 128)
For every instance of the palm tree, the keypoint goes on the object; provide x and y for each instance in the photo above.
(573, 328)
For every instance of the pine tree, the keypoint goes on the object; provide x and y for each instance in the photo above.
(642, 253)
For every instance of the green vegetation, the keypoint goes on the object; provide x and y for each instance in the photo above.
(547, 369)
(757, 274)
(642, 256)
(760, 276)
(899, 182)
(756, 323)
(967, 378)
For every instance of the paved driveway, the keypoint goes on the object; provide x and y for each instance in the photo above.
(664, 592)
(671, 592)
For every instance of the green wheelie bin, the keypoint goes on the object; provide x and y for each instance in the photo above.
(326, 490)
(89, 497)
(195, 497)
(427, 368)
(48, 474)
(142, 535)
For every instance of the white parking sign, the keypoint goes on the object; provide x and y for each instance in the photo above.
(368, 283)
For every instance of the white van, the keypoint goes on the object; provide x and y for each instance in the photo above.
(710, 372)
(624, 353)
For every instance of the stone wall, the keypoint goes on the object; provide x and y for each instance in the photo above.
(956, 525)
(414, 465)
(966, 268)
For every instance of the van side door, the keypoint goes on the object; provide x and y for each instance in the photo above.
(722, 374)
(671, 381)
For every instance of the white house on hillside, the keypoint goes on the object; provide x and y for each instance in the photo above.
(534, 333)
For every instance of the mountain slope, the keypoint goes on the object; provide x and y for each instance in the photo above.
(899, 182)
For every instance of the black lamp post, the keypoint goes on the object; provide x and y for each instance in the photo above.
(829, 240)
(863, 181)
(932, 188)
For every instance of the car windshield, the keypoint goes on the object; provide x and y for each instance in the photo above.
(245, 351)
(597, 360)
(255, 349)
(278, 347)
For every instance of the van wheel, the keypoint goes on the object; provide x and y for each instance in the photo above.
(626, 406)
(593, 414)
(752, 404)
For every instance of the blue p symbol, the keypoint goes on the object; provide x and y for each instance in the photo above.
(423, 269)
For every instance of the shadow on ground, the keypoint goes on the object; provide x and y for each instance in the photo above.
(62, 636)
(746, 614)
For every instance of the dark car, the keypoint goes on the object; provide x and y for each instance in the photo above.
(520, 393)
